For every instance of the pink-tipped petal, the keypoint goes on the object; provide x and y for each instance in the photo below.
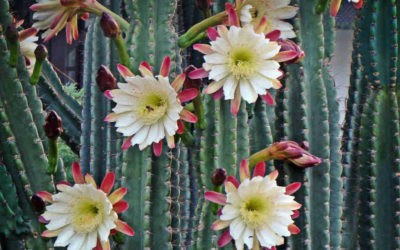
(215, 197)
(164, 70)
(178, 82)
(145, 69)
(181, 127)
(105, 245)
(42, 220)
(146, 65)
(358, 5)
(188, 116)
(220, 224)
(259, 169)
(293, 229)
(157, 148)
(276, 84)
(108, 182)
(212, 34)
(262, 25)
(108, 94)
(233, 19)
(295, 214)
(45, 196)
(232, 180)
(90, 180)
(218, 95)
(203, 48)
(123, 227)
(198, 74)
(335, 5)
(235, 103)
(51, 233)
(77, 173)
(117, 195)
(273, 175)
(121, 206)
(24, 34)
(292, 188)
(285, 56)
(124, 71)
(187, 95)
(127, 143)
(268, 99)
(224, 239)
(84, 16)
(244, 172)
(170, 141)
(64, 182)
(273, 35)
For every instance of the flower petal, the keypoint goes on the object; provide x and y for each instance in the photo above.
(224, 239)
(77, 173)
(165, 66)
(123, 227)
(108, 182)
(215, 197)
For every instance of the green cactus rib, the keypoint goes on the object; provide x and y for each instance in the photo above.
(175, 203)
(22, 125)
(136, 178)
(329, 34)
(84, 152)
(295, 129)
(243, 141)
(184, 195)
(208, 154)
(366, 228)
(227, 146)
(99, 107)
(317, 121)
(336, 184)
(160, 216)
(260, 131)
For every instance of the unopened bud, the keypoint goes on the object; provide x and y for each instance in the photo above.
(191, 83)
(204, 4)
(218, 177)
(293, 152)
(288, 45)
(41, 52)
(105, 79)
(38, 204)
(53, 125)
(109, 26)
(12, 34)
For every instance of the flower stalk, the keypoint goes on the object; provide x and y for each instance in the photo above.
(41, 55)
(53, 129)
(12, 38)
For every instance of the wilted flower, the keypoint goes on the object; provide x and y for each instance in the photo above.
(149, 108)
(257, 211)
(82, 216)
(53, 15)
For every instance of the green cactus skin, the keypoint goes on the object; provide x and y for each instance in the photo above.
(136, 178)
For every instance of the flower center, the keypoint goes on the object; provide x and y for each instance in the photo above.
(242, 62)
(87, 216)
(255, 211)
(153, 107)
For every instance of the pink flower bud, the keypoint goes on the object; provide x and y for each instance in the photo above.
(293, 152)
(288, 45)
(105, 79)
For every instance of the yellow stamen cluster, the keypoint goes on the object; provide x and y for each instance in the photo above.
(255, 211)
(242, 62)
(152, 108)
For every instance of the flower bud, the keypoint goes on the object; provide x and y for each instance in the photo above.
(105, 79)
(12, 34)
(293, 152)
(288, 45)
(53, 125)
(218, 177)
(191, 83)
(109, 26)
(38, 204)
(41, 52)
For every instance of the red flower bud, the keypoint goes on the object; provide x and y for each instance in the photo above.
(293, 152)
(41, 52)
(191, 83)
(53, 125)
(109, 26)
(38, 204)
(288, 45)
(218, 177)
(105, 79)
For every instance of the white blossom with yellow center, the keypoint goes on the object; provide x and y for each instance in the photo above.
(258, 212)
(241, 62)
(147, 109)
(79, 215)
